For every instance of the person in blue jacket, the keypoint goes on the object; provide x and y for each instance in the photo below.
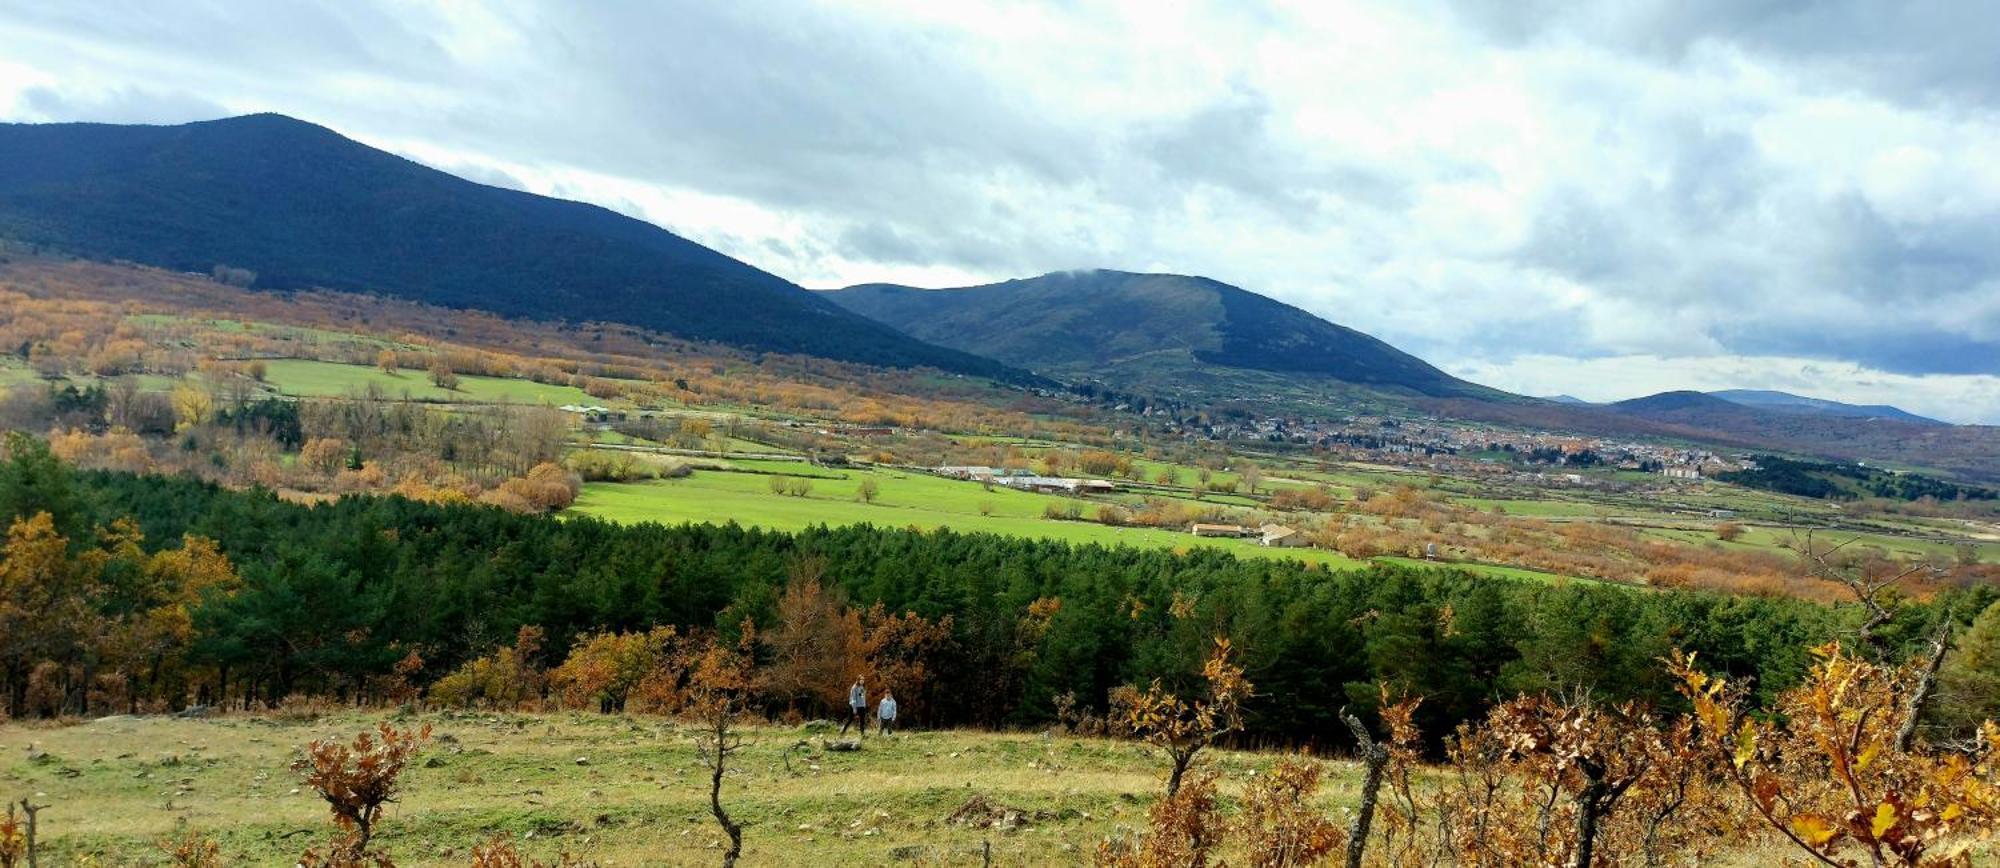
(885, 713)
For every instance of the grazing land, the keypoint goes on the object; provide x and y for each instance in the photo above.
(314, 379)
(905, 499)
(118, 786)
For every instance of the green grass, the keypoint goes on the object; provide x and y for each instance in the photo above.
(1495, 570)
(307, 378)
(1539, 508)
(904, 500)
(14, 372)
(116, 787)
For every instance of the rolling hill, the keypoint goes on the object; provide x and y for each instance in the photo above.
(1786, 402)
(1153, 332)
(303, 207)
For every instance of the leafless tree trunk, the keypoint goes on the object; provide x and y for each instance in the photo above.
(1926, 686)
(719, 744)
(1374, 760)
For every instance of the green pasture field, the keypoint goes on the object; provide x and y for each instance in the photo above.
(904, 500)
(313, 379)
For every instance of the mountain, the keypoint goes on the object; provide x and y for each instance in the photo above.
(303, 207)
(1571, 400)
(1786, 402)
(1679, 403)
(1157, 332)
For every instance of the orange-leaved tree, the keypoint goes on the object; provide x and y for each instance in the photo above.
(1829, 771)
(720, 682)
(1183, 726)
(357, 780)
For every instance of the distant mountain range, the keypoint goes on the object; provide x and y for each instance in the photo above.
(1786, 402)
(1153, 332)
(1780, 402)
(303, 207)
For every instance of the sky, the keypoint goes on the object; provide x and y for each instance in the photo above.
(1601, 199)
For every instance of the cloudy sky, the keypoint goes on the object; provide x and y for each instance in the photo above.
(1603, 199)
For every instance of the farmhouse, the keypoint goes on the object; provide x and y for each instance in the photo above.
(1681, 472)
(592, 413)
(1221, 530)
(1059, 484)
(1280, 536)
(969, 471)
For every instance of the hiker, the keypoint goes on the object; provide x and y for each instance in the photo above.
(885, 713)
(857, 707)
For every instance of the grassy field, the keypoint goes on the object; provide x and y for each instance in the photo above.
(306, 378)
(1486, 570)
(904, 500)
(119, 785)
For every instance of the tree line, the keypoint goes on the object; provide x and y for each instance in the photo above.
(155, 592)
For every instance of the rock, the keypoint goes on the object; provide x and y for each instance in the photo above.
(907, 852)
(583, 760)
(194, 711)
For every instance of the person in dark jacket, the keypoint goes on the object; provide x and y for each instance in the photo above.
(857, 708)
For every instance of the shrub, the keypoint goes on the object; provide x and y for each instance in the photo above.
(356, 781)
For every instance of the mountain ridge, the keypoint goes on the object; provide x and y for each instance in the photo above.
(1787, 402)
(1134, 327)
(305, 208)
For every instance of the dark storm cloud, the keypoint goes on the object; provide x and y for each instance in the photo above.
(1920, 51)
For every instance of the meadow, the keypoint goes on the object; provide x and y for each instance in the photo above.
(903, 499)
(617, 790)
(306, 378)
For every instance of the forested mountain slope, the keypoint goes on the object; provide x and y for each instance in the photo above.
(298, 206)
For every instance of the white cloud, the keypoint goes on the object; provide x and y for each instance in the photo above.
(1709, 186)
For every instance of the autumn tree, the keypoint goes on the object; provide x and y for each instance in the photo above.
(1285, 829)
(1251, 475)
(816, 647)
(1826, 770)
(193, 406)
(508, 679)
(442, 376)
(898, 653)
(155, 632)
(605, 669)
(387, 361)
(1182, 727)
(357, 780)
(720, 680)
(1182, 831)
(44, 603)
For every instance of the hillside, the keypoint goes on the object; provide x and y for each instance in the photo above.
(303, 207)
(1967, 452)
(1148, 331)
(1786, 402)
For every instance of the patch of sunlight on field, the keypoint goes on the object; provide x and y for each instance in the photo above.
(307, 378)
(903, 500)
